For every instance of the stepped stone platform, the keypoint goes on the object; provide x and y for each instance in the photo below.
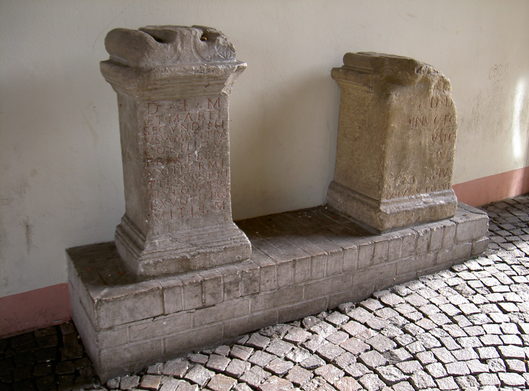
(302, 262)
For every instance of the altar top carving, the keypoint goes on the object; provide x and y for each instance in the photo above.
(166, 46)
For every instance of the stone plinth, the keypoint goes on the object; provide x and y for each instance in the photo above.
(303, 262)
(396, 139)
(172, 84)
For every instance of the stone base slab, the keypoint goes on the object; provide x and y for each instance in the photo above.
(184, 251)
(303, 262)
(386, 215)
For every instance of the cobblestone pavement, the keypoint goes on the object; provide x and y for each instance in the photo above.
(465, 328)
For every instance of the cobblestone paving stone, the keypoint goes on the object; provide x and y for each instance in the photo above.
(464, 328)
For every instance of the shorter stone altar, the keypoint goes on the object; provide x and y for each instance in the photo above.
(181, 274)
(396, 140)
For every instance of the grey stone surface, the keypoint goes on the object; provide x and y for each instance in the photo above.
(150, 382)
(220, 382)
(395, 148)
(172, 84)
(199, 375)
(129, 382)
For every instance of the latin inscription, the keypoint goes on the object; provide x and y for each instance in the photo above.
(186, 163)
(431, 131)
(437, 113)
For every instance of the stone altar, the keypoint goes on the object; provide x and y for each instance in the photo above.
(396, 140)
(172, 84)
(132, 308)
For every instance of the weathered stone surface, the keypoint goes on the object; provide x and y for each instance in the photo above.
(199, 375)
(157, 46)
(172, 84)
(396, 140)
(220, 382)
(298, 375)
(150, 382)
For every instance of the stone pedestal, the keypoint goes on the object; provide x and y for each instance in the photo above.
(172, 84)
(396, 139)
(303, 262)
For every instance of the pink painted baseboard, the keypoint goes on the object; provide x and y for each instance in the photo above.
(493, 188)
(34, 309)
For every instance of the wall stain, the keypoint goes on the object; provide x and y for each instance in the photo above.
(11, 195)
(91, 129)
(490, 104)
(4, 281)
(498, 72)
(28, 230)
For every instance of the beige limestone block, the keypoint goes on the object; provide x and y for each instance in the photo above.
(172, 84)
(396, 140)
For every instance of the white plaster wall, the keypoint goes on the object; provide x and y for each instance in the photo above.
(60, 168)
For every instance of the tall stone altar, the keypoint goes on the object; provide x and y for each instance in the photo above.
(172, 84)
(396, 139)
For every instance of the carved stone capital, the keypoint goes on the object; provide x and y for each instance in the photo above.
(163, 62)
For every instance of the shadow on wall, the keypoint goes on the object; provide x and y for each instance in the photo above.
(511, 183)
(519, 123)
(286, 160)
